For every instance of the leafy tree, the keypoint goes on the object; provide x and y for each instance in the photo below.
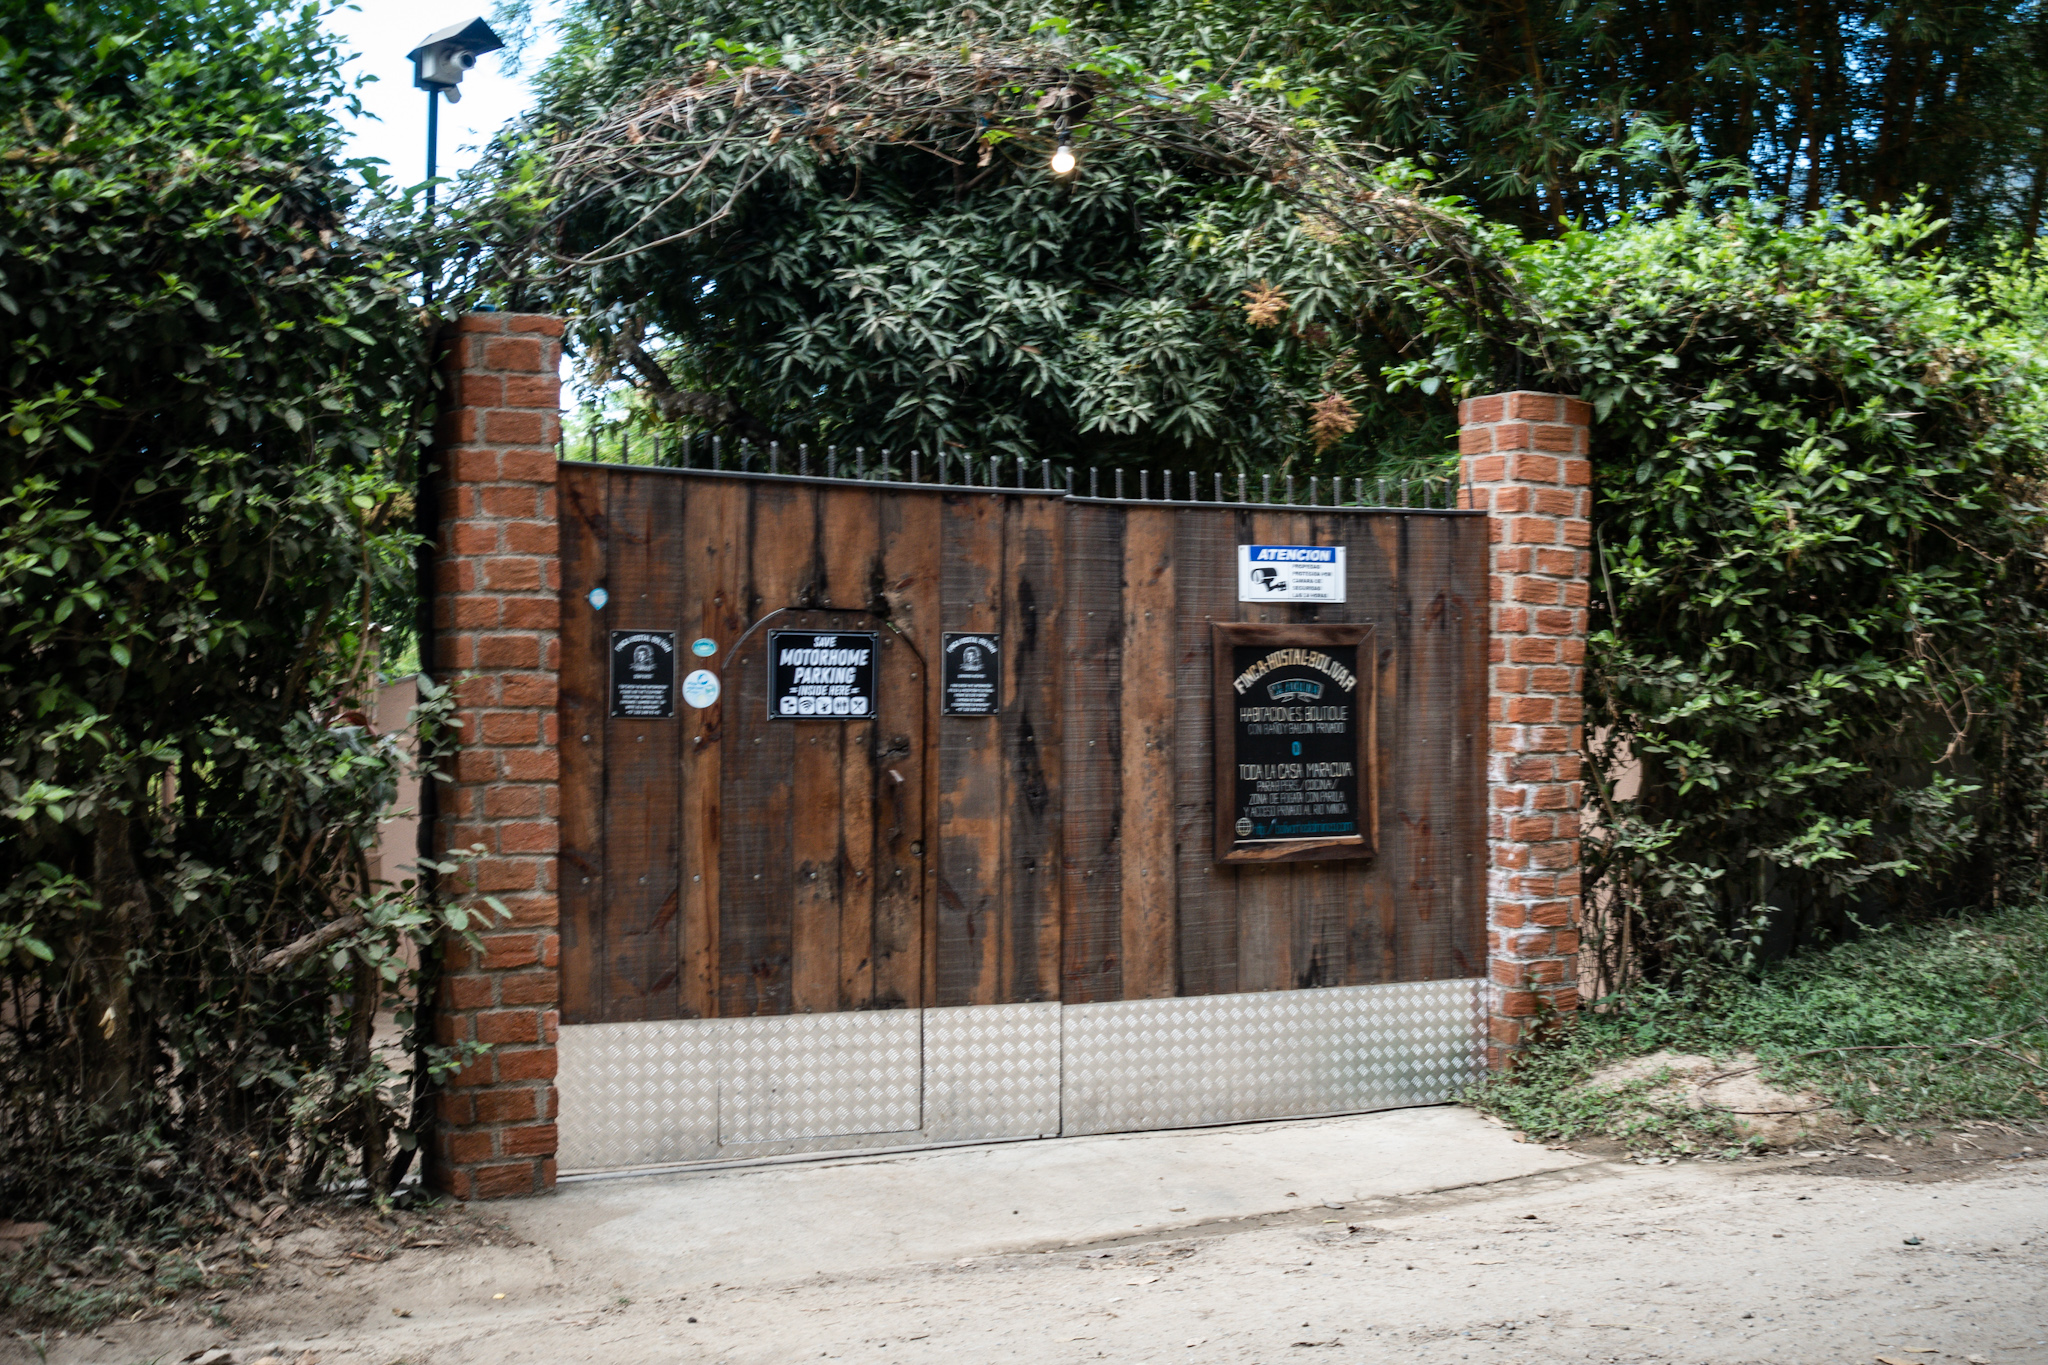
(211, 388)
(1817, 680)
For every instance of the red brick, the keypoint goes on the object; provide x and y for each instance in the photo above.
(537, 689)
(533, 836)
(464, 1149)
(1509, 437)
(1576, 531)
(505, 1182)
(508, 1026)
(515, 426)
(511, 727)
(1530, 710)
(535, 1139)
(1575, 594)
(1559, 621)
(520, 651)
(481, 324)
(453, 1183)
(1507, 680)
(1556, 796)
(538, 466)
(1533, 530)
(465, 992)
(1532, 650)
(1516, 1004)
(1474, 441)
(1535, 407)
(1543, 591)
(1511, 620)
(475, 391)
(1483, 469)
(506, 874)
(1531, 829)
(513, 573)
(510, 950)
(1552, 680)
(530, 988)
(525, 355)
(473, 466)
(1479, 411)
(540, 911)
(1554, 502)
(529, 766)
(546, 324)
(541, 391)
(1562, 563)
(455, 427)
(1563, 440)
(1511, 498)
(1577, 413)
(1533, 469)
(519, 502)
(511, 1105)
(476, 765)
(527, 1064)
(455, 1110)
(1577, 472)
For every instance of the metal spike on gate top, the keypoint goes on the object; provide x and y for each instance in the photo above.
(775, 457)
(1119, 485)
(1048, 473)
(1404, 492)
(1240, 486)
(916, 465)
(1266, 489)
(860, 462)
(1290, 490)
(1219, 485)
(1094, 483)
(1144, 485)
(1070, 481)
(831, 462)
(1383, 494)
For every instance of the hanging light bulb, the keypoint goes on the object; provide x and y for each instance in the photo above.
(1063, 160)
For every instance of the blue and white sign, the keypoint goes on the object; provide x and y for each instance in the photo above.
(703, 648)
(700, 689)
(1290, 573)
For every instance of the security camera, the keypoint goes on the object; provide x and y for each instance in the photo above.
(446, 55)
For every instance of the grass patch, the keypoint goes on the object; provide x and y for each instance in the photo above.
(1905, 1030)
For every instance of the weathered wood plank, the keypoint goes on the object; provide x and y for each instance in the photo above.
(757, 805)
(714, 608)
(1147, 768)
(1033, 538)
(970, 865)
(903, 771)
(643, 778)
(580, 712)
(1205, 580)
(1091, 940)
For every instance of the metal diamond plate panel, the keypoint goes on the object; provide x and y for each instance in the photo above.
(1142, 1064)
(638, 1094)
(794, 1076)
(991, 1071)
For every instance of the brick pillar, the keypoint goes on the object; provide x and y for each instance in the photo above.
(496, 614)
(1525, 459)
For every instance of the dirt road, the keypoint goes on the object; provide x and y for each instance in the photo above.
(1790, 1262)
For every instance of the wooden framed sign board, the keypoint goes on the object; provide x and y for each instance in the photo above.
(1294, 743)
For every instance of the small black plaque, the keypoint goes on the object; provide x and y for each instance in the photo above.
(974, 674)
(1297, 743)
(817, 676)
(644, 674)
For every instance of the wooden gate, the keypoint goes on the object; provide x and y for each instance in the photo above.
(1010, 923)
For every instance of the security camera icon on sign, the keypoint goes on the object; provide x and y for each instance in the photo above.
(1269, 579)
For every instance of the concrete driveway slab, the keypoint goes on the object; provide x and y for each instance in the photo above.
(856, 1214)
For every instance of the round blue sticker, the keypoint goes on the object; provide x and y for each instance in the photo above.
(598, 597)
(700, 689)
(703, 649)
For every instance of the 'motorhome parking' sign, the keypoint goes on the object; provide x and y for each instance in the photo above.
(821, 677)
(1294, 710)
